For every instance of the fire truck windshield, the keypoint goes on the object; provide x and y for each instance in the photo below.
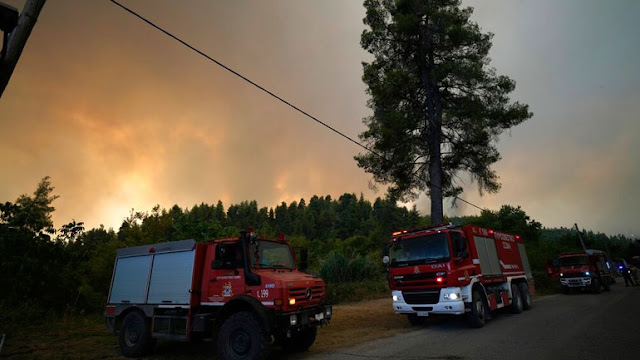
(271, 255)
(573, 260)
(427, 249)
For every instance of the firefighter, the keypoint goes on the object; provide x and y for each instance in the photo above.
(634, 274)
(627, 274)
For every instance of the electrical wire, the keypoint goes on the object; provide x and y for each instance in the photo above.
(243, 77)
(272, 94)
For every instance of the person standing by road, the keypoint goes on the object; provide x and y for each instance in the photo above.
(634, 274)
(627, 275)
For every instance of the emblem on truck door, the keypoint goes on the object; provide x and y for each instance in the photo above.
(227, 291)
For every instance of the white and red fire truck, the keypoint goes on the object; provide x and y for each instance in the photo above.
(245, 292)
(457, 270)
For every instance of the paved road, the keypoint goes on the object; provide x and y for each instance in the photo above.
(577, 326)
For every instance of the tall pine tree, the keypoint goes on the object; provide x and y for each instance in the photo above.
(438, 107)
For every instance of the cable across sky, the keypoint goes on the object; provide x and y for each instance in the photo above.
(272, 94)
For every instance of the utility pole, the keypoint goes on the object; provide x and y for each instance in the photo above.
(580, 237)
(15, 38)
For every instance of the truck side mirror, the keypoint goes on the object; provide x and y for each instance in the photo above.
(303, 262)
(385, 259)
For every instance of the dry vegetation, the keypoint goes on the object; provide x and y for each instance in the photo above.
(87, 337)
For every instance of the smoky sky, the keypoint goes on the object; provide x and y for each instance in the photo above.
(122, 117)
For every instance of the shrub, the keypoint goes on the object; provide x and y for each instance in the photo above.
(337, 268)
(356, 291)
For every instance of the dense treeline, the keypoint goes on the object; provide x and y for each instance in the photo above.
(50, 271)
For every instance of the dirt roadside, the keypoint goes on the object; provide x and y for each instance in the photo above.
(360, 322)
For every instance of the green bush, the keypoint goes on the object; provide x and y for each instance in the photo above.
(544, 284)
(356, 291)
(335, 268)
(338, 268)
(361, 268)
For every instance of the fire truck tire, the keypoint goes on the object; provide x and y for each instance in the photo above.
(606, 285)
(478, 314)
(242, 336)
(135, 335)
(526, 295)
(301, 341)
(416, 320)
(516, 300)
(596, 286)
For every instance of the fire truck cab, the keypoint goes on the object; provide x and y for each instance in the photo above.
(457, 270)
(589, 269)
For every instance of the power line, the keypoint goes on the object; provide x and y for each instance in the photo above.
(157, 27)
(243, 77)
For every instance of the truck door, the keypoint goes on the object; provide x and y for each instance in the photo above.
(226, 278)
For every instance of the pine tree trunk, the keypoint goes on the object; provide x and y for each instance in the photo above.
(434, 126)
(435, 170)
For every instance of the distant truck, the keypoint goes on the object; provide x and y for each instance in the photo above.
(457, 270)
(586, 270)
(245, 292)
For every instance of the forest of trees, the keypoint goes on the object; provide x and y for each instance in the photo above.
(53, 271)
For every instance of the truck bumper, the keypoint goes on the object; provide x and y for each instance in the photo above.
(443, 306)
(576, 281)
(317, 316)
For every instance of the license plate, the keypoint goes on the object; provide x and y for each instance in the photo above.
(319, 316)
(423, 313)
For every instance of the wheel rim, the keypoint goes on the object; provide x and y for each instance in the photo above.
(132, 334)
(240, 342)
(480, 309)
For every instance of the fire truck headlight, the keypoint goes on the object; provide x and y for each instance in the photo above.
(587, 273)
(327, 311)
(396, 298)
(293, 320)
(451, 296)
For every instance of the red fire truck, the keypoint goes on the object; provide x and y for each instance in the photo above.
(589, 269)
(246, 292)
(447, 269)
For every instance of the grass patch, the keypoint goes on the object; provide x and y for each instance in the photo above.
(82, 337)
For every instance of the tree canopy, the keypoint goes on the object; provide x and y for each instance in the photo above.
(438, 108)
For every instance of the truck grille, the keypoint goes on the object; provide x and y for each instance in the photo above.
(421, 297)
(415, 279)
(301, 293)
(573, 275)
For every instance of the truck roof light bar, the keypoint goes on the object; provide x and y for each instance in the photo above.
(433, 227)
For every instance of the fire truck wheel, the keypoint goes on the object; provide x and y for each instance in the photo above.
(606, 285)
(301, 341)
(135, 336)
(478, 315)
(516, 301)
(416, 320)
(242, 336)
(526, 295)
